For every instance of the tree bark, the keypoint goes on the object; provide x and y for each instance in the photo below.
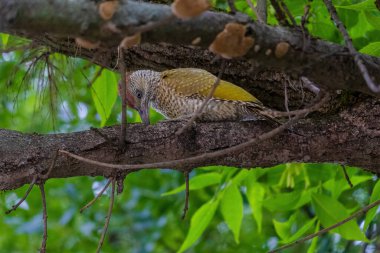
(313, 58)
(350, 138)
(348, 134)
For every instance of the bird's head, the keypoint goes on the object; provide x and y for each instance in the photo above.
(139, 86)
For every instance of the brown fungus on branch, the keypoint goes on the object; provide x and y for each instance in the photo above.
(86, 43)
(185, 9)
(232, 42)
(282, 49)
(130, 41)
(108, 9)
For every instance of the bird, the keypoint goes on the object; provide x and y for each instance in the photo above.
(178, 93)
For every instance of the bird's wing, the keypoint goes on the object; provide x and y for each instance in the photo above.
(198, 82)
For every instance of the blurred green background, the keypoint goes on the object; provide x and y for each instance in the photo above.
(231, 210)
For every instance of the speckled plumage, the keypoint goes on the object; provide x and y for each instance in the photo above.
(178, 93)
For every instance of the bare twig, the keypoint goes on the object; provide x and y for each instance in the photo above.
(262, 10)
(306, 13)
(290, 113)
(279, 14)
(347, 39)
(96, 197)
(286, 99)
(186, 207)
(96, 76)
(108, 218)
(44, 218)
(120, 185)
(231, 4)
(46, 175)
(310, 85)
(123, 130)
(207, 156)
(15, 206)
(304, 20)
(255, 11)
(346, 175)
(288, 13)
(325, 230)
(205, 102)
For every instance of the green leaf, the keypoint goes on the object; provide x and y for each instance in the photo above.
(372, 212)
(337, 187)
(362, 6)
(197, 182)
(104, 94)
(288, 201)
(283, 228)
(371, 49)
(4, 39)
(240, 177)
(373, 17)
(199, 222)
(231, 207)
(255, 195)
(330, 212)
(313, 245)
(301, 231)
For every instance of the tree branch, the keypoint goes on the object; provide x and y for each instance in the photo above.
(323, 138)
(167, 46)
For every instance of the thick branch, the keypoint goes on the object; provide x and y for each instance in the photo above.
(352, 138)
(36, 18)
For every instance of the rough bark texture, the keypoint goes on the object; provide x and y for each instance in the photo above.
(315, 59)
(347, 134)
(351, 138)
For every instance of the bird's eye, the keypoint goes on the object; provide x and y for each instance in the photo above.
(138, 94)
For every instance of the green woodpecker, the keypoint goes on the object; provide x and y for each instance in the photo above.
(178, 93)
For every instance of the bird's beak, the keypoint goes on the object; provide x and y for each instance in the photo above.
(144, 113)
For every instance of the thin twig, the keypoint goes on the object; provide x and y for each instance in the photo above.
(262, 10)
(44, 218)
(96, 197)
(286, 99)
(231, 4)
(358, 60)
(346, 175)
(253, 8)
(108, 218)
(199, 111)
(306, 13)
(96, 76)
(310, 85)
(325, 230)
(46, 175)
(288, 13)
(205, 156)
(279, 14)
(123, 130)
(15, 206)
(186, 207)
(304, 20)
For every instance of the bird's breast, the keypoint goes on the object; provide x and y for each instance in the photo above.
(173, 105)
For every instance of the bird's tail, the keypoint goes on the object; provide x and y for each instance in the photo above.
(261, 112)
